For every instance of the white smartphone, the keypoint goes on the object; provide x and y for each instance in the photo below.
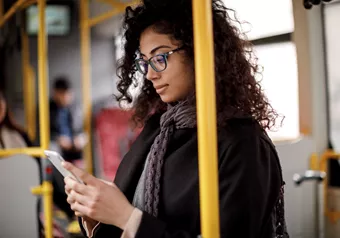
(56, 160)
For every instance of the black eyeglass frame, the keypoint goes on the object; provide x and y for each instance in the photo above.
(149, 61)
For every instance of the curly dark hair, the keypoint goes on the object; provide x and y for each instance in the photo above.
(238, 93)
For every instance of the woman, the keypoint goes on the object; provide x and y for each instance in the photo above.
(11, 134)
(156, 189)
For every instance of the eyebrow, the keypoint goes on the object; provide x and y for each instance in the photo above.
(157, 48)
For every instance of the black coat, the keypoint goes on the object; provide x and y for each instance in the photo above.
(249, 183)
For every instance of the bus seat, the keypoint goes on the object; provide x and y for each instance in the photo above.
(115, 137)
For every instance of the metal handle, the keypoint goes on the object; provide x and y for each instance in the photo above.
(309, 175)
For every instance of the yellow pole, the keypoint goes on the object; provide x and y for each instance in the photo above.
(98, 19)
(1, 9)
(28, 3)
(46, 190)
(16, 6)
(32, 107)
(206, 118)
(48, 208)
(44, 112)
(32, 151)
(86, 79)
(113, 3)
(118, 8)
(42, 81)
(26, 81)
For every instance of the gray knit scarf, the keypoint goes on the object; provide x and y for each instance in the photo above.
(182, 115)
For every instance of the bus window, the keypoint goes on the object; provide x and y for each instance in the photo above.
(276, 55)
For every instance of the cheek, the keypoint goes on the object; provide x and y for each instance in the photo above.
(185, 79)
(182, 85)
(180, 77)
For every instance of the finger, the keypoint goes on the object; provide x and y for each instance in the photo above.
(75, 197)
(71, 184)
(106, 182)
(68, 180)
(85, 177)
(67, 189)
(70, 200)
(80, 209)
(78, 214)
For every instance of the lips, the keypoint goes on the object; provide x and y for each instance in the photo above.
(161, 88)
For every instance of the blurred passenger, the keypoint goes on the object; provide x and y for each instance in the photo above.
(11, 134)
(67, 137)
(156, 189)
(64, 132)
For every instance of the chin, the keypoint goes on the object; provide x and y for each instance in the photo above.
(167, 98)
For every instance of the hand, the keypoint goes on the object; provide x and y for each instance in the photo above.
(97, 199)
(80, 141)
(65, 142)
(70, 201)
(68, 191)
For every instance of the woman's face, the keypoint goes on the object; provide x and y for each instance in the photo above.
(176, 82)
(3, 109)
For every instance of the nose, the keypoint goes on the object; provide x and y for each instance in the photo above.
(152, 74)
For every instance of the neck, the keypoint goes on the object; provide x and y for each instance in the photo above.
(57, 102)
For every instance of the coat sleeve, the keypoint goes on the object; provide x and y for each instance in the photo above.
(249, 183)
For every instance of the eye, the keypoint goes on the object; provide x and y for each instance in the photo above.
(160, 59)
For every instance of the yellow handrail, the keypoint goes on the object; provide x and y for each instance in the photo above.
(32, 151)
(44, 111)
(114, 3)
(28, 75)
(28, 3)
(46, 190)
(16, 6)
(28, 87)
(42, 78)
(1, 8)
(118, 8)
(85, 44)
(206, 117)
(25, 71)
(334, 216)
(98, 19)
(32, 107)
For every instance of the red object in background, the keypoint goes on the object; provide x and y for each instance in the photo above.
(114, 138)
(48, 169)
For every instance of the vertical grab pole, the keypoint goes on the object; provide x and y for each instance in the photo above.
(86, 79)
(206, 118)
(25, 74)
(28, 87)
(42, 80)
(44, 113)
(1, 9)
(32, 130)
(47, 193)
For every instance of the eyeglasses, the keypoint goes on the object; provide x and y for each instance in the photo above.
(158, 62)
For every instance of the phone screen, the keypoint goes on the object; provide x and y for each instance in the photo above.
(56, 159)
